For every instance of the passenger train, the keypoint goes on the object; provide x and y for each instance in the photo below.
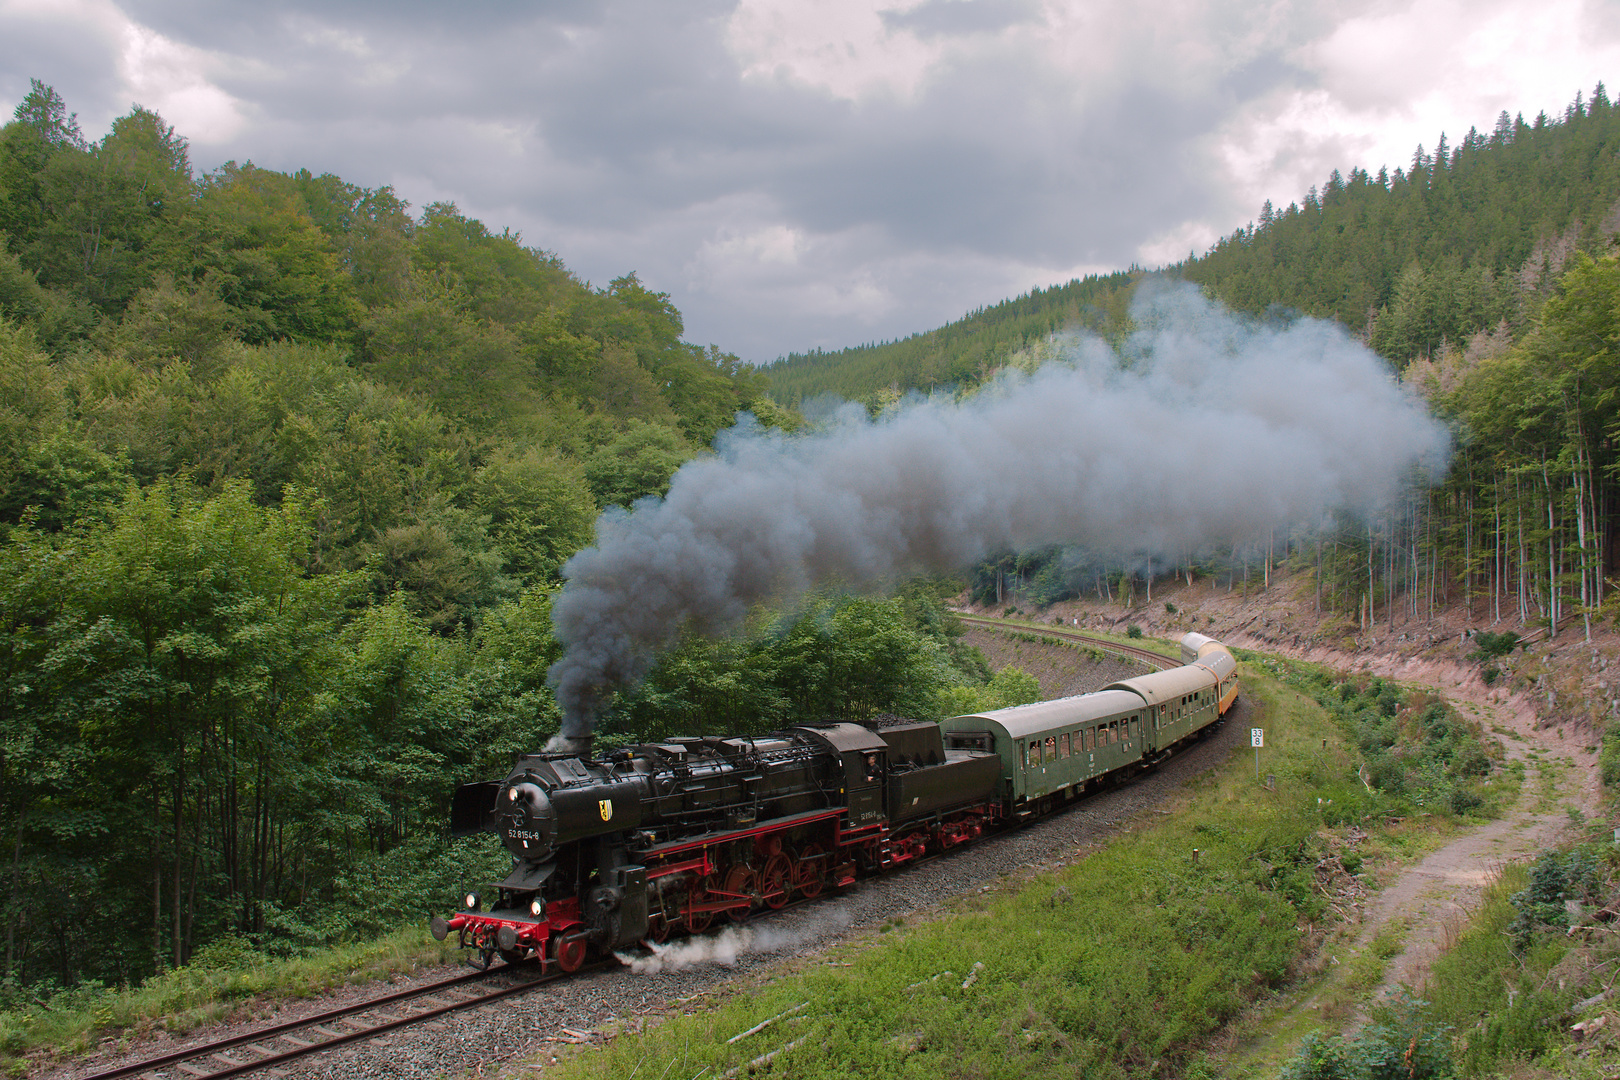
(661, 838)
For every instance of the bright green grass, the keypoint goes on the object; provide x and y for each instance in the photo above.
(204, 992)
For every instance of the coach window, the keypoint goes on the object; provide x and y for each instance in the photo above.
(1035, 752)
(1088, 739)
(1113, 732)
(1063, 747)
(1023, 753)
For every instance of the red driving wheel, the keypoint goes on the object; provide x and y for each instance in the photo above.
(698, 921)
(740, 881)
(776, 881)
(808, 874)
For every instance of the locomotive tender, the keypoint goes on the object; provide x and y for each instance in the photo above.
(663, 837)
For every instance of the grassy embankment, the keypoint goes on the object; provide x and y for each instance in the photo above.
(221, 980)
(1136, 959)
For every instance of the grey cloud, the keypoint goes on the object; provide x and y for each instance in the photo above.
(631, 133)
(939, 18)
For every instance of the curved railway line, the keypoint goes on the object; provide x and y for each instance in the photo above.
(1160, 661)
(267, 1049)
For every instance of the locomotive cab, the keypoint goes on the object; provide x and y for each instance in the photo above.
(863, 756)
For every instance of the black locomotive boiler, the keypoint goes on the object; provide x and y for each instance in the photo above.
(663, 837)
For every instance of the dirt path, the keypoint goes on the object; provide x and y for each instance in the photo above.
(1438, 894)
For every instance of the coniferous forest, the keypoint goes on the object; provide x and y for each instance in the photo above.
(1486, 273)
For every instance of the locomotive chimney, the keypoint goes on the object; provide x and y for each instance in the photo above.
(565, 744)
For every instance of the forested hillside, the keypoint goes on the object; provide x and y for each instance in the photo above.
(287, 474)
(965, 352)
(1484, 272)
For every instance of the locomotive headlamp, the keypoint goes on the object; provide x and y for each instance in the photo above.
(537, 907)
(511, 793)
(471, 901)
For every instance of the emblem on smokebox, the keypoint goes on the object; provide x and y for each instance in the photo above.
(606, 806)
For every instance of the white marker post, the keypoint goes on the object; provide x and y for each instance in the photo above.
(1257, 739)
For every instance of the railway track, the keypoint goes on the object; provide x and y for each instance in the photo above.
(1158, 660)
(268, 1048)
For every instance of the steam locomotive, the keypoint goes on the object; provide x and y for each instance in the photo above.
(659, 838)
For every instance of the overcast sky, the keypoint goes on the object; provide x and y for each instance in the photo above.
(802, 173)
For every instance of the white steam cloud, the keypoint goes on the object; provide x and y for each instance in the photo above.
(1204, 428)
(734, 941)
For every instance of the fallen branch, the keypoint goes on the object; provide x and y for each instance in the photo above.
(1586, 1003)
(763, 1024)
(763, 1059)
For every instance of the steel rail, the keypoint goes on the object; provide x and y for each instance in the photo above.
(330, 1041)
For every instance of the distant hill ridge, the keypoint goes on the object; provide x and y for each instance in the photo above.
(1463, 240)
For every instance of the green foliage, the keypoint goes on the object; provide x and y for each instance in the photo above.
(1489, 646)
(1417, 752)
(1609, 755)
(1502, 999)
(838, 658)
(964, 353)
(637, 464)
(1133, 631)
(1321, 1058)
(1556, 876)
(225, 973)
(1484, 273)
(539, 507)
(1008, 687)
(1403, 1042)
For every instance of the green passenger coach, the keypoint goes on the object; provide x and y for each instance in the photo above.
(1053, 751)
(1055, 748)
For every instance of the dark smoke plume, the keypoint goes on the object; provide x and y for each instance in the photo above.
(1204, 428)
